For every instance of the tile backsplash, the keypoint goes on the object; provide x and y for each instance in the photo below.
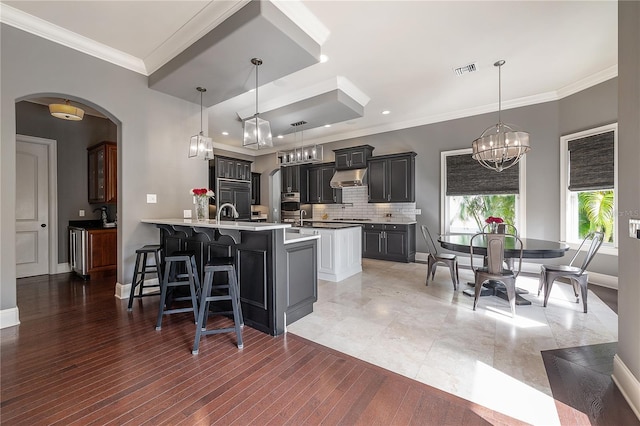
(355, 205)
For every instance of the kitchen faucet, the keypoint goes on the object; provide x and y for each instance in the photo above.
(233, 208)
(302, 213)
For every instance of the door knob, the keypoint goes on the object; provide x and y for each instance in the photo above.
(43, 225)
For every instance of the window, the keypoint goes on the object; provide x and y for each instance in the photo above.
(470, 193)
(588, 183)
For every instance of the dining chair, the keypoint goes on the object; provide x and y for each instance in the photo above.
(493, 269)
(435, 258)
(577, 275)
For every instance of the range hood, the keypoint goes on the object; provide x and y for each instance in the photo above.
(348, 178)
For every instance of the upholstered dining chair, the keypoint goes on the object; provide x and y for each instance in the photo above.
(436, 258)
(577, 275)
(494, 264)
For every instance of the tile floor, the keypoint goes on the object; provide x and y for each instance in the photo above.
(387, 316)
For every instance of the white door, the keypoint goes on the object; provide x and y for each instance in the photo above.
(32, 209)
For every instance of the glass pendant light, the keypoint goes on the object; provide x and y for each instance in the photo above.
(200, 145)
(257, 131)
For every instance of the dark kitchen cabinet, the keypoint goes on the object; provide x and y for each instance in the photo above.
(231, 168)
(392, 178)
(255, 189)
(290, 178)
(319, 185)
(353, 158)
(238, 194)
(103, 173)
(389, 242)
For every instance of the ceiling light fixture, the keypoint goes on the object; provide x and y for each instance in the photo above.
(66, 111)
(257, 132)
(302, 154)
(201, 146)
(500, 146)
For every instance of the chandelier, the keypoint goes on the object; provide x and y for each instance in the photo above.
(201, 146)
(302, 154)
(500, 146)
(257, 131)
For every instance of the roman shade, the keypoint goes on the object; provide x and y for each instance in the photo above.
(465, 176)
(592, 162)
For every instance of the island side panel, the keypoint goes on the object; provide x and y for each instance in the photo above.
(301, 279)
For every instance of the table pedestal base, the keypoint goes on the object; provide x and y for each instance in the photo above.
(495, 288)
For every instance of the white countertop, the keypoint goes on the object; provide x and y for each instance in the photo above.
(363, 222)
(239, 226)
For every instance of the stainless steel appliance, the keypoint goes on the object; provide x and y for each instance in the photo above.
(290, 207)
(78, 250)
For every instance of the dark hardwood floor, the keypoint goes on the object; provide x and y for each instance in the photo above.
(79, 358)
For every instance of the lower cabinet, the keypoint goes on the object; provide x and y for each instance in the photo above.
(102, 252)
(339, 252)
(389, 242)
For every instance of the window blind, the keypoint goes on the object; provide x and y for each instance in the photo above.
(465, 176)
(591, 162)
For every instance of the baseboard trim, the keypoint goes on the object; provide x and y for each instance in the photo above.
(9, 317)
(595, 278)
(63, 268)
(123, 290)
(629, 385)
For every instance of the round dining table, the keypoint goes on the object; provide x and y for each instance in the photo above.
(531, 249)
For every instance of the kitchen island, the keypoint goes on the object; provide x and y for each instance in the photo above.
(277, 270)
(339, 249)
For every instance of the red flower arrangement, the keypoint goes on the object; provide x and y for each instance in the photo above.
(202, 192)
(492, 219)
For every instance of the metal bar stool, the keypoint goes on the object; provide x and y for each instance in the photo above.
(172, 279)
(140, 272)
(229, 291)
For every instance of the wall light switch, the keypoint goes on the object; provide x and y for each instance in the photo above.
(634, 227)
(418, 211)
(81, 213)
(152, 198)
(186, 214)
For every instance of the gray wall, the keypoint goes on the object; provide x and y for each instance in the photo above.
(545, 123)
(629, 191)
(153, 135)
(73, 138)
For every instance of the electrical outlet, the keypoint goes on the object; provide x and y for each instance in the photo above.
(186, 214)
(418, 211)
(81, 213)
(152, 198)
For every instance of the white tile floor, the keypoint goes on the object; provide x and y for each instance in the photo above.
(387, 316)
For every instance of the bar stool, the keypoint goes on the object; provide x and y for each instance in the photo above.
(172, 279)
(140, 271)
(215, 293)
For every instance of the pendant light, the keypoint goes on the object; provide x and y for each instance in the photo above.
(300, 154)
(201, 146)
(66, 111)
(257, 132)
(500, 146)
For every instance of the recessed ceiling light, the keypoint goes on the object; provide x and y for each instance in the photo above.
(323, 59)
(225, 133)
(280, 136)
(327, 125)
(385, 112)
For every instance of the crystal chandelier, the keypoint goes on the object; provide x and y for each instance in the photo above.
(500, 146)
(201, 146)
(257, 131)
(302, 154)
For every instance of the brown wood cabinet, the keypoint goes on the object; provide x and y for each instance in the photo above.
(103, 173)
(102, 252)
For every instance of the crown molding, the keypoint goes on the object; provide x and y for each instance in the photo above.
(41, 28)
(585, 83)
(307, 21)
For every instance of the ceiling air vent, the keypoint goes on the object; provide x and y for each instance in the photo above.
(467, 68)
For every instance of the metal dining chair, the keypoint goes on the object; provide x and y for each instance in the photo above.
(577, 275)
(494, 262)
(435, 258)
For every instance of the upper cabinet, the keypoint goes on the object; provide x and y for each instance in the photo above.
(353, 158)
(392, 178)
(103, 173)
(319, 185)
(231, 168)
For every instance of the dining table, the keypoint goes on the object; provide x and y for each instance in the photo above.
(532, 248)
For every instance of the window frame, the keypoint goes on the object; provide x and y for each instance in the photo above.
(521, 198)
(566, 197)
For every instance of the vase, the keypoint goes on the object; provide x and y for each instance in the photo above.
(202, 208)
(493, 227)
